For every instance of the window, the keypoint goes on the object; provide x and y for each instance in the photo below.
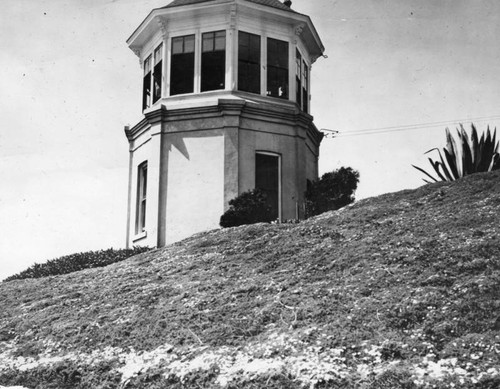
(298, 78)
(267, 179)
(302, 82)
(151, 89)
(146, 85)
(182, 65)
(157, 73)
(277, 68)
(213, 61)
(305, 88)
(142, 183)
(248, 62)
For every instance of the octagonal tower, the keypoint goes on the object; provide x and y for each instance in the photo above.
(226, 101)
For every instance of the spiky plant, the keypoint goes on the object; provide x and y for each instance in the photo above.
(465, 155)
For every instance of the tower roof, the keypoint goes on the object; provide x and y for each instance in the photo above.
(270, 3)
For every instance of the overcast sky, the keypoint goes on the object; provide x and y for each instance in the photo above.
(69, 83)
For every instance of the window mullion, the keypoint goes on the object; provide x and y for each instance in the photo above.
(263, 66)
(164, 75)
(231, 59)
(197, 61)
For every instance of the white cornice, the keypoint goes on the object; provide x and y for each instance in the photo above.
(158, 19)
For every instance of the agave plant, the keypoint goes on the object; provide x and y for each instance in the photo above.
(465, 155)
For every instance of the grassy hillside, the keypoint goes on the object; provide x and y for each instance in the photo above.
(397, 291)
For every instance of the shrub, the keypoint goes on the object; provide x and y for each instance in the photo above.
(465, 156)
(248, 208)
(332, 191)
(76, 262)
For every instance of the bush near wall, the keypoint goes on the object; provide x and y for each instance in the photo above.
(76, 262)
(332, 191)
(248, 208)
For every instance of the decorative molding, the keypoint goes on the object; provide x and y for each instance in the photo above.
(138, 53)
(314, 58)
(232, 16)
(163, 27)
(299, 28)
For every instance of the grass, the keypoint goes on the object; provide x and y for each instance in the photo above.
(397, 291)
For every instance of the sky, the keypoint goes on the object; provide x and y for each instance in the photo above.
(398, 73)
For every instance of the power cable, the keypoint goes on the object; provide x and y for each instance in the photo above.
(408, 127)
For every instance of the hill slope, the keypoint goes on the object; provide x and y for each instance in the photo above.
(398, 291)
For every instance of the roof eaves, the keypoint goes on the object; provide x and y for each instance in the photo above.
(270, 3)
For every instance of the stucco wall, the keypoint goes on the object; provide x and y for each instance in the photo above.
(195, 183)
(201, 158)
(141, 152)
(252, 142)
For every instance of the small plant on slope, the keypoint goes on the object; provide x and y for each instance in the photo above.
(75, 262)
(465, 155)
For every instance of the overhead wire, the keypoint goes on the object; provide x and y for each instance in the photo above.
(408, 127)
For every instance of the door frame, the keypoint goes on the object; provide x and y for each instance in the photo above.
(270, 153)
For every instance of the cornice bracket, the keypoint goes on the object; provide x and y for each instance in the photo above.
(138, 53)
(299, 28)
(163, 27)
(232, 16)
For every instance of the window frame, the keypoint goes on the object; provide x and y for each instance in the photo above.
(146, 82)
(141, 198)
(306, 75)
(212, 54)
(274, 64)
(298, 77)
(179, 89)
(249, 62)
(157, 77)
(152, 89)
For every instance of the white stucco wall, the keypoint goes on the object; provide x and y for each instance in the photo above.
(141, 152)
(195, 183)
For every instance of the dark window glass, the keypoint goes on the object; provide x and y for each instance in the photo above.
(157, 73)
(142, 184)
(305, 87)
(267, 180)
(182, 65)
(146, 84)
(277, 68)
(213, 61)
(298, 77)
(248, 62)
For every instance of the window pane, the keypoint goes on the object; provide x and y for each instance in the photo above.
(147, 65)
(298, 64)
(248, 62)
(277, 68)
(140, 217)
(254, 45)
(213, 61)
(220, 40)
(305, 87)
(208, 42)
(144, 173)
(182, 65)
(182, 74)
(146, 84)
(157, 81)
(157, 54)
(177, 45)
(189, 44)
